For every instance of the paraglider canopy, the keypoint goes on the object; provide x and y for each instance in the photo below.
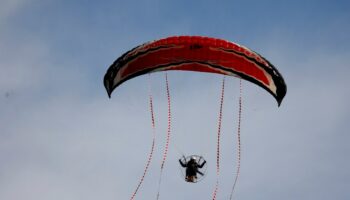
(200, 54)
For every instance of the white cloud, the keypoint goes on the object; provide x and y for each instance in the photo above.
(10, 7)
(23, 65)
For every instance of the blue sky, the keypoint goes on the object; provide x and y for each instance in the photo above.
(62, 138)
